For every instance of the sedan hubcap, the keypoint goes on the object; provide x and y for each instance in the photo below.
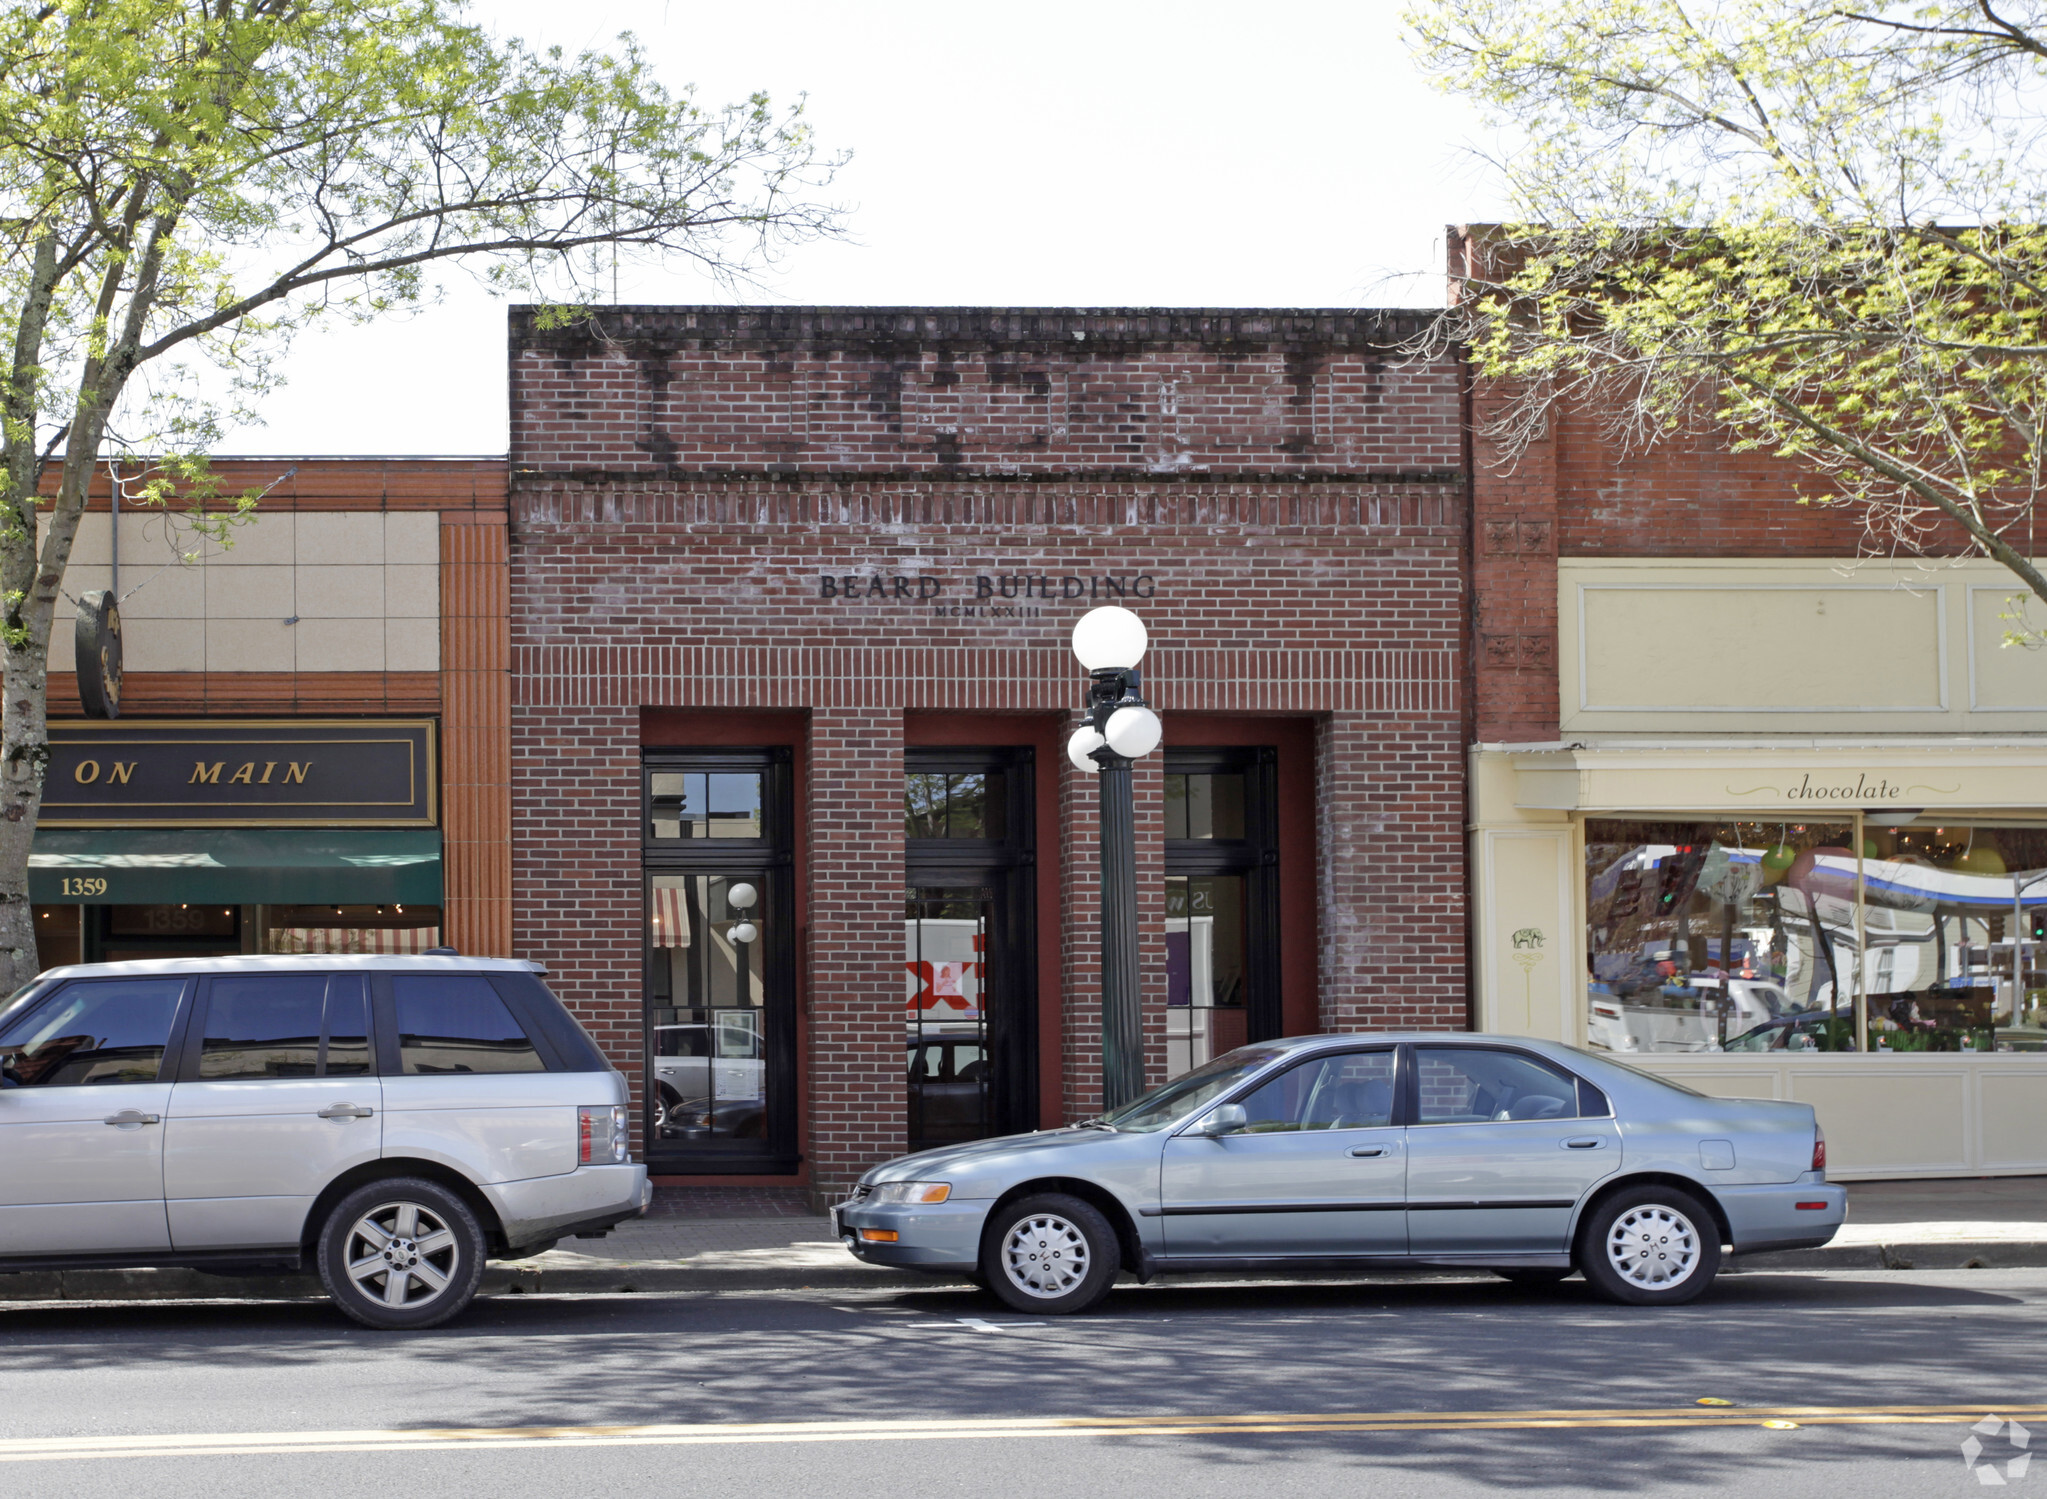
(401, 1254)
(1653, 1247)
(1045, 1256)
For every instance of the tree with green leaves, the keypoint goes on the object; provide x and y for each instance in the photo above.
(187, 184)
(1799, 226)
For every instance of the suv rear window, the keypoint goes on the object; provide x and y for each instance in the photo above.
(449, 1023)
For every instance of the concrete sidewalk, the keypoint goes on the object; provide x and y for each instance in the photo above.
(714, 1239)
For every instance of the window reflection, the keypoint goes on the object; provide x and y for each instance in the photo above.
(946, 957)
(1744, 937)
(704, 804)
(945, 804)
(1704, 936)
(1209, 805)
(1204, 968)
(706, 1011)
(1954, 913)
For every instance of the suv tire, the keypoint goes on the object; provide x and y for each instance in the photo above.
(1050, 1254)
(1649, 1246)
(401, 1253)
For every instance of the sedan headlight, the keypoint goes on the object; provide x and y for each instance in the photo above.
(912, 1192)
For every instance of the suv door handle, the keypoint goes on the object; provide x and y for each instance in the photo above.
(130, 1118)
(345, 1111)
(1368, 1150)
(1584, 1142)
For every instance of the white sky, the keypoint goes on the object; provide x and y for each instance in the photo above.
(1282, 153)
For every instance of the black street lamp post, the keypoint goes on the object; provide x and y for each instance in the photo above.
(1119, 729)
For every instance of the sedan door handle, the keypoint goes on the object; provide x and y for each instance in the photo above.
(345, 1111)
(1584, 1142)
(1368, 1150)
(130, 1118)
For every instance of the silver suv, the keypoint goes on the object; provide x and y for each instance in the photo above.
(392, 1122)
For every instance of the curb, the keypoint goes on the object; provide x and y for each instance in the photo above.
(672, 1278)
(498, 1280)
(1966, 1255)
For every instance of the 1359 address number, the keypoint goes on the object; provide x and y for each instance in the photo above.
(85, 887)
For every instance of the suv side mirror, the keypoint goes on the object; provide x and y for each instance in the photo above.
(1223, 1119)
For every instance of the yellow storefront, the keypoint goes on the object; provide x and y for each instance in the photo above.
(1829, 907)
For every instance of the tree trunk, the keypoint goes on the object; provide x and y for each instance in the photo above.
(24, 752)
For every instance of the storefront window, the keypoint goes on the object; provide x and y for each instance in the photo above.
(710, 1082)
(1704, 936)
(1954, 914)
(704, 804)
(1205, 805)
(946, 931)
(970, 1040)
(1737, 936)
(720, 1043)
(1222, 951)
(942, 804)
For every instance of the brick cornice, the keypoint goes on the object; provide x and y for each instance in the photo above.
(1070, 331)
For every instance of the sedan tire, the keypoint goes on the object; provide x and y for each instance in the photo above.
(401, 1253)
(1050, 1254)
(1649, 1246)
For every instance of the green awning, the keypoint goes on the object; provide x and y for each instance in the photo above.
(235, 866)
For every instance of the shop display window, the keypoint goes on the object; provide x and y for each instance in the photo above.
(719, 960)
(968, 932)
(1756, 937)
(1222, 949)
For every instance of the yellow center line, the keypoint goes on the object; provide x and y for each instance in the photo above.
(226, 1444)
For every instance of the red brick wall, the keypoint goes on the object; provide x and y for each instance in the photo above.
(682, 485)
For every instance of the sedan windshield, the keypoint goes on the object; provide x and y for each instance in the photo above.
(1190, 1091)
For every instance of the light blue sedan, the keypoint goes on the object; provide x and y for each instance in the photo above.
(1361, 1152)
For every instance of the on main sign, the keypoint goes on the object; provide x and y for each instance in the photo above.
(301, 772)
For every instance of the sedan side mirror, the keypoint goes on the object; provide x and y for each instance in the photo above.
(1223, 1119)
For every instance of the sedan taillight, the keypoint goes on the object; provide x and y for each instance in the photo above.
(1819, 1148)
(600, 1135)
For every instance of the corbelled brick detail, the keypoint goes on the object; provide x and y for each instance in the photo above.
(744, 509)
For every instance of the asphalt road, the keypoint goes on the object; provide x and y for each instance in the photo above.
(1444, 1387)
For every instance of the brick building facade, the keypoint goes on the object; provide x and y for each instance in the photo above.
(829, 560)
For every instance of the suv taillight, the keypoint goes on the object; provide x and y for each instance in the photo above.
(600, 1135)
(1819, 1148)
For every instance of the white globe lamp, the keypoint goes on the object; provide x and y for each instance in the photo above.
(1081, 747)
(741, 897)
(745, 931)
(1133, 732)
(1109, 638)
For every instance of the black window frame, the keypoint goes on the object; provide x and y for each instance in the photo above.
(1009, 864)
(1255, 859)
(769, 861)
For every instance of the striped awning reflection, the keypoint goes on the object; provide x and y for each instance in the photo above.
(671, 916)
(354, 939)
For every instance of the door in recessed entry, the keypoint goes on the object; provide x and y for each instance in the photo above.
(967, 932)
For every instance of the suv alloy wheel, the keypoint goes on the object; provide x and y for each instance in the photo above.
(401, 1253)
